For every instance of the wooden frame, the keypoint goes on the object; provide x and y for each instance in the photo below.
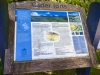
(12, 67)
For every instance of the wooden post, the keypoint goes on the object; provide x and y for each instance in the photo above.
(3, 28)
(92, 24)
(4, 12)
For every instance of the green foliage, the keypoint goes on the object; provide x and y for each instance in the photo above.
(1, 69)
(95, 71)
(98, 55)
(9, 1)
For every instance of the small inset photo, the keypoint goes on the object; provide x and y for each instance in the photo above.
(77, 33)
(73, 33)
(52, 36)
(74, 17)
(81, 33)
(76, 27)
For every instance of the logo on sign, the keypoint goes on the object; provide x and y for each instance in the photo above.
(24, 52)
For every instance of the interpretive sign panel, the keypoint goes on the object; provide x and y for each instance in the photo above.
(45, 36)
(48, 34)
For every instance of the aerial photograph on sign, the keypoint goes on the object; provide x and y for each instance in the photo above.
(74, 16)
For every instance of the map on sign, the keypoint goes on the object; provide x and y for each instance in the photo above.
(46, 34)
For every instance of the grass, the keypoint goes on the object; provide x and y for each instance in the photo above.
(1, 68)
(96, 70)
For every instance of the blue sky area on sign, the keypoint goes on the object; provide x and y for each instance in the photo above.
(73, 13)
(48, 13)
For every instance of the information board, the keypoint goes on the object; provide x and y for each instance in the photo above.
(47, 34)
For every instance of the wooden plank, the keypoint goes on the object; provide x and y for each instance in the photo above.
(8, 62)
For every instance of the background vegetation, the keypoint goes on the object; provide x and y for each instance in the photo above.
(83, 3)
(1, 68)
